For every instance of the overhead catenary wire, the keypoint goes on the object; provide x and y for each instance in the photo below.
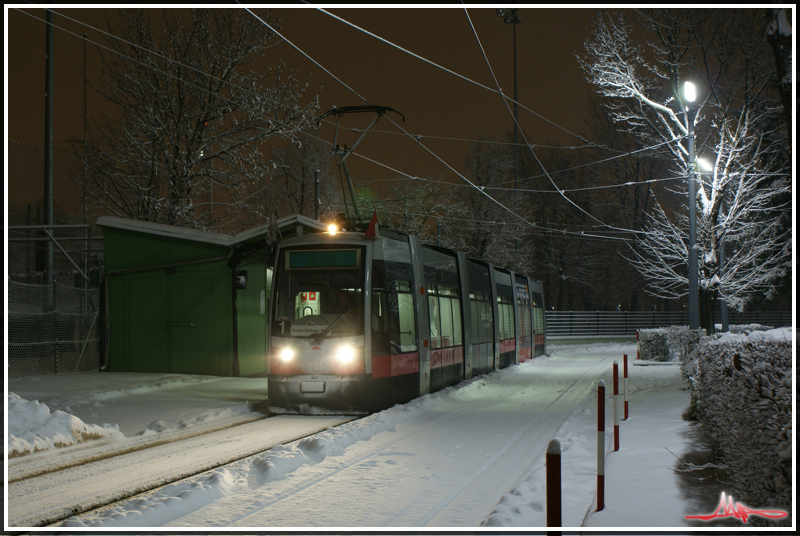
(151, 52)
(488, 142)
(246, 90)
(427, 149)
(437, 157)
(480, 189)
(540, 227)
(434, 64)
(486, 59)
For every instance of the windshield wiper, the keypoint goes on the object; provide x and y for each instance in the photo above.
(321, 335)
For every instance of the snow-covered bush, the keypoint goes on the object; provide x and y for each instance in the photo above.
(743, 392)
(747, 329)
(652, 344)
(674, 343)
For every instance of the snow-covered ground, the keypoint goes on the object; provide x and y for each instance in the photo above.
(469, 456)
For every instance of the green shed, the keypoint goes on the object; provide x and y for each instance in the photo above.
(187, 301)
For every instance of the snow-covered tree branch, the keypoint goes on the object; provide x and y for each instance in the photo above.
(194, 100)
(744, 200)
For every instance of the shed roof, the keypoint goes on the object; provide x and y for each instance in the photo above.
(287, 224)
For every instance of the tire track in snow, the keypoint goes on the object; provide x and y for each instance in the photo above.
(444, 503)
(335, 471)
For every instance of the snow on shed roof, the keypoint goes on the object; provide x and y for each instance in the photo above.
(207, 237)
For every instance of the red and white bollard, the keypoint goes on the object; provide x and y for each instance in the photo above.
(553, 483)
(601, 444)
(625, 384)
(615, 401)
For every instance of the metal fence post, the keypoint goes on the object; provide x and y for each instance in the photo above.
(601, 444)
(553, 483)
(615, 401)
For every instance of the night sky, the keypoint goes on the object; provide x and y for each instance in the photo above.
(435, 103)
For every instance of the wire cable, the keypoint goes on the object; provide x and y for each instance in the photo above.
(488, 64)
(417, 56)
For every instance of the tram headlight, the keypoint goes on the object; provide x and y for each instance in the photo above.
(346, 353)
(286, 354)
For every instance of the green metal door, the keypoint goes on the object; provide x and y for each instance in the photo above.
(146, 324)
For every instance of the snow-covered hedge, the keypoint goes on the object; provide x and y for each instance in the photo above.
(743, 394)
(747, 329)
(674, 343)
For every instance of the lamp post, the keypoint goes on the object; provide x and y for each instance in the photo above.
(723, 306)
(690, 95)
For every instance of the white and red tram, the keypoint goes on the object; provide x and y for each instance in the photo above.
(358, 324)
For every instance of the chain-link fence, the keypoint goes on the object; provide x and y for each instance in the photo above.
(52, 329)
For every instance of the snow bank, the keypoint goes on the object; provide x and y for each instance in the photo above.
(279, 463)
(32, 426)
(221, 415)
(137, 387)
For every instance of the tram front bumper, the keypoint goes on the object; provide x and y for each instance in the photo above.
(322, 394)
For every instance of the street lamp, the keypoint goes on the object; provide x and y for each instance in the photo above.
(690, 95)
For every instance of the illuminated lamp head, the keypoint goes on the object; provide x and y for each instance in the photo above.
(333, 229)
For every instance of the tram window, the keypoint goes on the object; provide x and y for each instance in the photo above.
(505, 309)
(308, 299)
(433, 314)
(379, 324)
(445, 316)
(474, 320)
(406, 325)
(525, 318)
(393, 322)
(481, 309)
(457, 335)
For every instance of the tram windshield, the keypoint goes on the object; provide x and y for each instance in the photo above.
(319, 293)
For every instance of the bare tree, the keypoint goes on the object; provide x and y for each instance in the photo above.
(194, 102)
(415, 206)
(482, 221)
(626, 180)
(561, 250)
(290, 185)
(742, 199)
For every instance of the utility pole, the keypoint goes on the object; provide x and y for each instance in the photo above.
(510, 16)
(48, 150)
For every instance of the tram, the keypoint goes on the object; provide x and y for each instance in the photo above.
(362, 321)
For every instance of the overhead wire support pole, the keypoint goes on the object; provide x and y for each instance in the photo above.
(48, 150)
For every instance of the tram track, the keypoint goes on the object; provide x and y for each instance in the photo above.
(53, 496)
(47, 462)
(445, 431)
